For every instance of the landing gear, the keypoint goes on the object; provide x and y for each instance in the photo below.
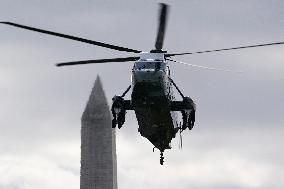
(186, 107)
(118, 109)
(188, 113)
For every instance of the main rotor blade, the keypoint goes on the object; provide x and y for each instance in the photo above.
(162, 26)
(226, 49)
(73, 38)
(126, 59)
(203, 67)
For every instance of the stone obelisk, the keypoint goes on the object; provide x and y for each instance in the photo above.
(98, 147)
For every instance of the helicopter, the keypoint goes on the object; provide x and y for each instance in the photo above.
(152, 97)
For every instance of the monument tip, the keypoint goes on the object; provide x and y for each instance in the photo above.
(97, 103)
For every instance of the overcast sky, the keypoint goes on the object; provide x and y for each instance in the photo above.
(238, 138)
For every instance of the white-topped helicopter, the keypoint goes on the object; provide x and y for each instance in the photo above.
(152, 96)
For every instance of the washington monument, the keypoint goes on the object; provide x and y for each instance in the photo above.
(98, 147)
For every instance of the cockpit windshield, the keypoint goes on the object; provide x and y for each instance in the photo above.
(149, 65)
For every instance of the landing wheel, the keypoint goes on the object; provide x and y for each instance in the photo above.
(184, 120)
(121, 118)
(191, 120)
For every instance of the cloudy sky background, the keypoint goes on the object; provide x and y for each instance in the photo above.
(238, 139)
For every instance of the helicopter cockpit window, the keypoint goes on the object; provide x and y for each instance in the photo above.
(148, 66)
